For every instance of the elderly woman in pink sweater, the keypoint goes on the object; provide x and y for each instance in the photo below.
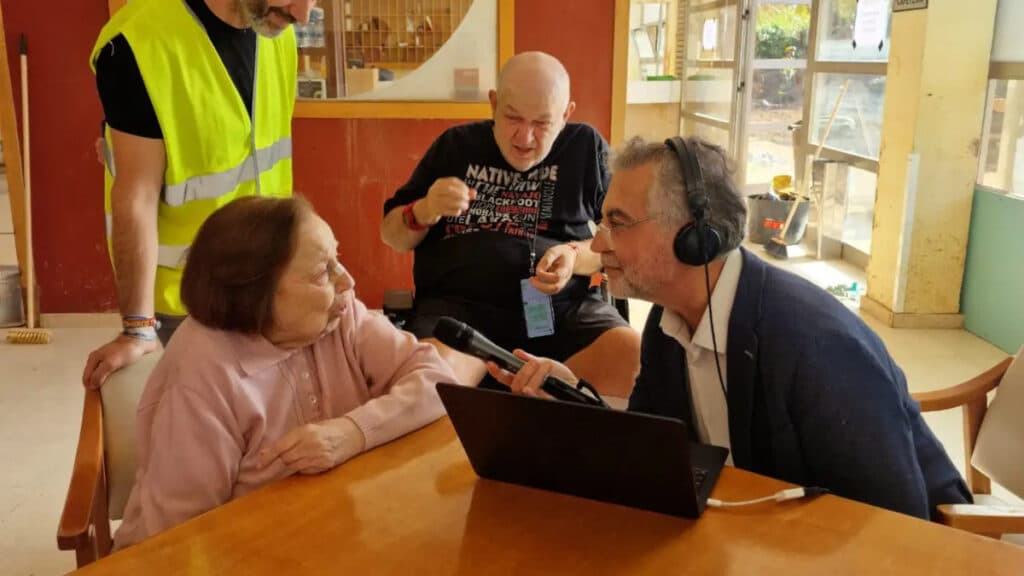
(279, 369)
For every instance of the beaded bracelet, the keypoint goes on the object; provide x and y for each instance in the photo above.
(144, 334)
(140, 327)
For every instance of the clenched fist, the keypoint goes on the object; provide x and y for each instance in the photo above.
(447, 197)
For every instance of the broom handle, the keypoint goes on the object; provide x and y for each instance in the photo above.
(30, 306)
(831, 119)
(807, 168)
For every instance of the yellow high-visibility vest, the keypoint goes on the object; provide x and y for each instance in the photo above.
(214, 148)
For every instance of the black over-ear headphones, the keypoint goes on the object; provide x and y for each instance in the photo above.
(697, 243)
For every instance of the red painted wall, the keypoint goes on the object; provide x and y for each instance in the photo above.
(347, 168)
(579, 33)
(67, 183)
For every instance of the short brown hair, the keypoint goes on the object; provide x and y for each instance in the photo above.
(237, 259)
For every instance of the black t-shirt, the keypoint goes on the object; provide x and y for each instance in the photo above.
(481, 256)
(126, 103)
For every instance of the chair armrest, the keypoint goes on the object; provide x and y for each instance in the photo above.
(85, 477)
(981, 519)
(963, 393)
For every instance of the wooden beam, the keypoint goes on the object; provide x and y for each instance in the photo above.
(309, 108)
(506, 31)
(620, 60)
(671, 33)
(12, 151)
(1006, 70)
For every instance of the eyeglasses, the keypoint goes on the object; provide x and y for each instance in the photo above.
(610, 228)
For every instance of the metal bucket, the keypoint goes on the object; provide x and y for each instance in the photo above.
(11, 312)
(765, 219)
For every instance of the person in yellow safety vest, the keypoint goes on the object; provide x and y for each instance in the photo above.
(197, 98)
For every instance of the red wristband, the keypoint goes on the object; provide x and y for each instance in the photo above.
(409, 218)
(128, 322)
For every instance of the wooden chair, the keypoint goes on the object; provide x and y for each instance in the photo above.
(104, 468)
(993, 445)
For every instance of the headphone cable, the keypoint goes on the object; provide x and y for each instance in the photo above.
(711, 322)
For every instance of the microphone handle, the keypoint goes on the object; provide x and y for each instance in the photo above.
(562, 390)
(553, 386)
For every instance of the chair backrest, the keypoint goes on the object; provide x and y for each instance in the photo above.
(121, 395)
(999, 451)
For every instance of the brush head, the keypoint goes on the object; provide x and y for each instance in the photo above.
(776, 248)
(29, 336)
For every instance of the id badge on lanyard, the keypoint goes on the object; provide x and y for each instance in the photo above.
(537, 310)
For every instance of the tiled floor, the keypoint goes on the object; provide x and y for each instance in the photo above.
(41, 395)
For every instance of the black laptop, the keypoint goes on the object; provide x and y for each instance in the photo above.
(624, 458)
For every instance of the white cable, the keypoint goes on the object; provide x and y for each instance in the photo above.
(780, 496)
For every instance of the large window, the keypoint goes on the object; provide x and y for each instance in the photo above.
(776, 96)
(857, 128)
(852, 49)
(1001, 156)
(845, 22)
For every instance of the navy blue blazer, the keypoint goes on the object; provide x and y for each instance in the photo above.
(814, 397)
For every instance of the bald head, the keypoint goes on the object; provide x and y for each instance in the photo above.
(531, 106)
(534, 73)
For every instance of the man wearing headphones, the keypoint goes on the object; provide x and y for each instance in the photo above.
(749, 356)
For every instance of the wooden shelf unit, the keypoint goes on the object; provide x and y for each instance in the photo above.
(399, 31)
(398, 35)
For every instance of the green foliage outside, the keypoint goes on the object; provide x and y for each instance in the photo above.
(782, 31)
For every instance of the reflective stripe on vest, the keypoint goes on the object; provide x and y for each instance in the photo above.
(210, 186)
(216, 150)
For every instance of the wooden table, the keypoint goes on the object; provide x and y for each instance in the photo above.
(416, 507)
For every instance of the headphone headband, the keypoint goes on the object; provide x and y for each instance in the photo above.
(698, 242)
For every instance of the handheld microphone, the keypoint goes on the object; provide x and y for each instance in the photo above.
(459, 336)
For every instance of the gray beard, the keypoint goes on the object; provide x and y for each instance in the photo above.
(257, 20)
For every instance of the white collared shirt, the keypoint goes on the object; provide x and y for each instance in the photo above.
(710, 409)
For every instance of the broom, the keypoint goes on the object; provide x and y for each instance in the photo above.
(31, 334)
(776, 246)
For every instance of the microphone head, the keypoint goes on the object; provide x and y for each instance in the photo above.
(453, 333)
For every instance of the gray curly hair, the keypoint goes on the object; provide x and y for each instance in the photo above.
(727, 210)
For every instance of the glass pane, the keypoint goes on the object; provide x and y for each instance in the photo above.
(710, 133)
(647, 40)
(1002, 154)
(860, 208)
(782, 31)
(399, 50)
(1006, 46)
(711, 34)
(858, 125)
(838, 25)
(776, 103)
(709, 91)
(848, 204)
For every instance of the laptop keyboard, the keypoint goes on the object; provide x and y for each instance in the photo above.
(699, 476)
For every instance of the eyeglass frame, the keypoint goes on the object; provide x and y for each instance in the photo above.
(609, 229)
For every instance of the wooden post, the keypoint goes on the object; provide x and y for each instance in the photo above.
(12, 152)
